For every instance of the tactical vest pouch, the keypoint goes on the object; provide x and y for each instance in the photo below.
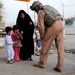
(48, 21)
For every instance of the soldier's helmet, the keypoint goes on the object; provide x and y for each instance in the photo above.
(34, 4)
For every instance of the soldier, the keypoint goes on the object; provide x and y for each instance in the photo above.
(50, 28)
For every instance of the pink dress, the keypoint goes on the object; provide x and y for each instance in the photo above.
(16, 37)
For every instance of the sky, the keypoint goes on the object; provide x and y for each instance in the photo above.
(12, 7)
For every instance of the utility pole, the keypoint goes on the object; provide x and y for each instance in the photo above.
(34, 15)
(63, 10)
(27, 8)
(63, 18)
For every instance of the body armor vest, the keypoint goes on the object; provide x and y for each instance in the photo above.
(51, 15)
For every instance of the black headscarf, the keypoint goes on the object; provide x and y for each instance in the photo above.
(19, 14)
(23, 23)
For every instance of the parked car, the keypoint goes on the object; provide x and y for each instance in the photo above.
(2, 32)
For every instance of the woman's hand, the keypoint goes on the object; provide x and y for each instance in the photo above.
(30, 23)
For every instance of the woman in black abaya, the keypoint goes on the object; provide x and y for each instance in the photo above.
(27, 28)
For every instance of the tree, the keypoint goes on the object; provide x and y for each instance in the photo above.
(1, 7)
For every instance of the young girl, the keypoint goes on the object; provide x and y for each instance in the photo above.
(9, 45)
(16, 36)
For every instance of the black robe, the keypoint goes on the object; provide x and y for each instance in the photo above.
(27, 48)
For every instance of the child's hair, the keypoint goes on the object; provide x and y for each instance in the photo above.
(15, 27)
(7, 29)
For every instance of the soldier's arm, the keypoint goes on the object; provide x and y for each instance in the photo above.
(41, 23)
